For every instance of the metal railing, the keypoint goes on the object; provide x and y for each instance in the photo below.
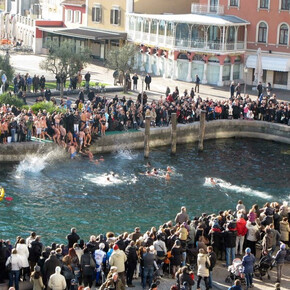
(205, 9)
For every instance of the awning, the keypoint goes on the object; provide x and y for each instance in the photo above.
(270, 63)
(92, 34)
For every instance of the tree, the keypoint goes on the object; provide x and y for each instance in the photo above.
(6, 68)
(122, 59)
(63, 61)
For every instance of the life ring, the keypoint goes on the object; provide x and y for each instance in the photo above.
(2, 193)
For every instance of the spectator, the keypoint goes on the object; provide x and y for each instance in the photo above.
(57, 281)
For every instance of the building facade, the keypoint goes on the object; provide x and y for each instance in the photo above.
(269, 30)
(181, 46)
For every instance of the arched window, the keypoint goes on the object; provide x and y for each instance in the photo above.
(262, 32)
(283, 34)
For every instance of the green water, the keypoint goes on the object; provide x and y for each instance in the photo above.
(52, 194)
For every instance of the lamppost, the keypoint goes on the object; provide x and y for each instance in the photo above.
(142, 79)
(245, 86)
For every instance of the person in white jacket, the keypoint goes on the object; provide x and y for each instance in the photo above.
(203, 264)
(23, 253)
(252, 234)
(14, 274)
(56, 280)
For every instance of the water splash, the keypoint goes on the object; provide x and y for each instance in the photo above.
(126, 154)
(220, 183)
(110, 179)
(35, 163)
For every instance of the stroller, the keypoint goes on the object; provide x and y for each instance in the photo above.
(235, 272)
(263, 267)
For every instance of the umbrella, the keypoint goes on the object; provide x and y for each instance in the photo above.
(258, 68)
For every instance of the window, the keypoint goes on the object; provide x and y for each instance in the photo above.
(115, 16)
(213, 5)
(234, 3)
(264, 4)
(77, 17)
(280, 78)
(285, 4)
(283, 34)
(262, 32)
(97, 14)
(68, 15)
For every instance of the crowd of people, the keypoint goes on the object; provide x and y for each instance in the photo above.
(182, 249)
(93, 114)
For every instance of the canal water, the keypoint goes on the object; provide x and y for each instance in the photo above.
(51, 194)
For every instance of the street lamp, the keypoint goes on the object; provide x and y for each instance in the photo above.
(245, 86)
(142, 79)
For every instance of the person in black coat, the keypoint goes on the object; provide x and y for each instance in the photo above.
(212, 259)
(49, 266)
(132, 258)
(176, 259)
(72, 238)
(147, 82)
(3, 250)
(35, 252)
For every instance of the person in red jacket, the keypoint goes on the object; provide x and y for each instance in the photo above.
(241, 232)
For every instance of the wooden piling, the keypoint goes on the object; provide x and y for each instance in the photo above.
(173, 133)
(201, 130)
(147, 137)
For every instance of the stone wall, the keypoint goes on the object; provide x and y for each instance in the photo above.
(160, 136)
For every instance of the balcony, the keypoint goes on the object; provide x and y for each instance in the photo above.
(207, 9)
(184, 43)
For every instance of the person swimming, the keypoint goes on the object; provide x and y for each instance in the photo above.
(154, 171)
(101, 159)
(72, 150)
(212, 181)
(167, 176)
(169, 169)
(148, 164)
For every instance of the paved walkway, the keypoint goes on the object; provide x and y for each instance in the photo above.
(30, 63)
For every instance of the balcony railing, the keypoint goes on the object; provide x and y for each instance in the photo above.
(183, 43)
(206, 9)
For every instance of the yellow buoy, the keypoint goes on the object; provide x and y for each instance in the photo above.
(2, 193)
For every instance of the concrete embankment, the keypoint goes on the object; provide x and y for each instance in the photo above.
(189, 134)
(161, 136)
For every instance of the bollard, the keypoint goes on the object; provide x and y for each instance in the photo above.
(201, 130)
(173, 133)
(147, 136)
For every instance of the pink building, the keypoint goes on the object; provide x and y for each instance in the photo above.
(269, 30)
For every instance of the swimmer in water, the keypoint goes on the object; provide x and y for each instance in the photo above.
(167, 176)
(148, 164)
(148, 173)
(212, 181)
(90, 155)
(169, 169)
(154, 171)
(72, 150)
(101, 158)
(108, 179)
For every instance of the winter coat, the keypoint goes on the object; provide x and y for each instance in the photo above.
(181, 217)
(118, 259)
(72, 238)
(22, 251)
(241, 227)
(35, 251)
(280, 256)
(86, 266)
(284, 230)
(212, 258)
(176, 253)
(202, 270)
(230, 239)
(183, 234)
(252, 230)
(57, 281)
(37, 283)
(131, 252)
(49, 266)
(15, 261)
(248, 263)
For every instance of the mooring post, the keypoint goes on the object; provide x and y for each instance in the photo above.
(147, 136)
(201, 130)
(173, 133)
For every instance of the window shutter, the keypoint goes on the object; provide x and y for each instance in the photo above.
(119, 17)
(93, 14)
(112, 16)
(100, 14)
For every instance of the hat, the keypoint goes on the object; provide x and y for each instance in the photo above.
(116, 247)
(248, 250)
(102, 246)
(36, 268)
